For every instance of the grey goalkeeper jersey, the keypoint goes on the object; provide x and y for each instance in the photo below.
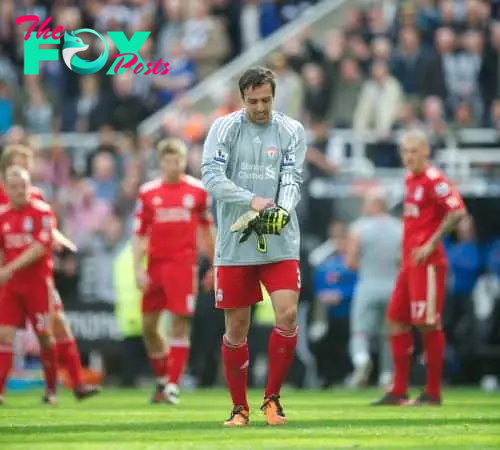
(380, 249)
(242, 160)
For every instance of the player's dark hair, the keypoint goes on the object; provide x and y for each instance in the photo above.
(256, 77)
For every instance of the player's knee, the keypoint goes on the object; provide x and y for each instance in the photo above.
(60, 326)
(180, 327)
(237, 330)
(286, 317)
(7, 335)
(46, 340)
(394, 327)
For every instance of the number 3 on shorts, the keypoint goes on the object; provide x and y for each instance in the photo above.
(418, 309)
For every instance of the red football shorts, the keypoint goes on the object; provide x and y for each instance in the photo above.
(239, 287)
(173, 287)
(30, 301)
(418, 296)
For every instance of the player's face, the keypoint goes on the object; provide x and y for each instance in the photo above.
(258, 101)
(17, 189)
(414, 155)
(172, 166)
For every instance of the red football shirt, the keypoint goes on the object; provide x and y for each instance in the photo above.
(35, 193)
(19, 228)
(169, 214)
(429, 196)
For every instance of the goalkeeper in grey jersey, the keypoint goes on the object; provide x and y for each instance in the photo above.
(252, 165)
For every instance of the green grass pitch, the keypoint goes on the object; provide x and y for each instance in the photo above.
(333, 419)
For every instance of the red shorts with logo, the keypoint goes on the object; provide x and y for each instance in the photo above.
(31, 301)
(239, 286)
(418, 296)
(173, 287)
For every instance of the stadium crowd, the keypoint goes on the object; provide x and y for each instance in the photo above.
(393, 65)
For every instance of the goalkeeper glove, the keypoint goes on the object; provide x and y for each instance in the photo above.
(249, 223)
(272, 220)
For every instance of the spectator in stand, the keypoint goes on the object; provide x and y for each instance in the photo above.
(466, 261)
(6, 112)
(377, 25)
(494, 119)
(347, 89)
(379, 102)
(334, 286)
(463, 118)
(434, 121)
(289, 98)
(205, 40)
(317, 93)
(81, 113)
(36, 107)
(319, 165)
(84, 214)
(408, 118)
(333, 52)
(180, 78)
(229, 13)
(103, 178)
(358, 49)
(126, 110)
(172, 29)
(489, 77)
(381, 49)
(408, 61)
(440, 74)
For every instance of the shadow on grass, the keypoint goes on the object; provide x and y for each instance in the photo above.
(194, 426)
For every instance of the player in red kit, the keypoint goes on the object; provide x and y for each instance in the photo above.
(170, 212)
(67, 350)
(26, 244)
(432, 209)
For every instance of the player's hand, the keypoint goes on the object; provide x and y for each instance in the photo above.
(208, 280)
(259, 204)
(273, 220)
(420, 254)
(142, 280)
(5, 274)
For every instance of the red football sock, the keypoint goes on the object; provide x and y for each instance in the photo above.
(68, 354)
(236, 360)
(281, 352)
(159, 364)
(6, 360)
(177, 360)
(49, 366)
(402, 349)
(434, 346)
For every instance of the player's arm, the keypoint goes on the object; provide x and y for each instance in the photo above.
(449, 199)
(41, 245)
(140, 241)
(292, 171)
(207, 229)
(216, 154)
(63, 241)
(353, 251)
